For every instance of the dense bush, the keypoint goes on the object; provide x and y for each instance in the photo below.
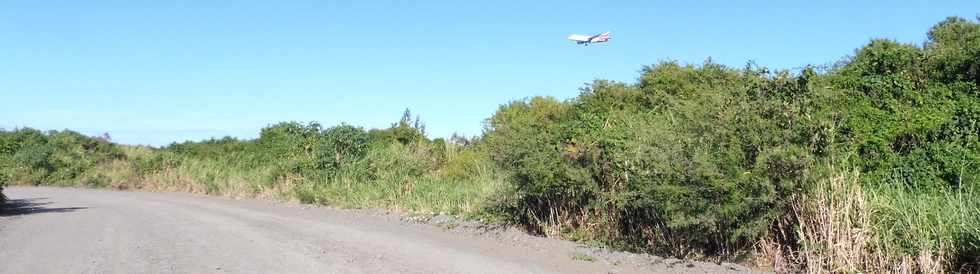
(701, 160)
(55, 157)
(341, 145)
(911, 113)
(689, 160)
(405, 131)
(911, 125)
(953, 50)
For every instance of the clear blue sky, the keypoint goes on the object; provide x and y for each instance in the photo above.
(154, 72)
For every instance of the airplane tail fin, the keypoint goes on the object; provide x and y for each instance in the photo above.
(603, 37)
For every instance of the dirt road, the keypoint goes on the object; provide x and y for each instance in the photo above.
(64, 230)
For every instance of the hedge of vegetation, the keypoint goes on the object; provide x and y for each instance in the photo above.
(52, 158)
(702, 159)
(396, 167)
(699, 161)
(690, 160)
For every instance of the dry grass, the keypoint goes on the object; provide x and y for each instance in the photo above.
(190, 175)
(838, 231)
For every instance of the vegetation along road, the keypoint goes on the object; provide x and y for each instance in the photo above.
(95, 231)
(870, 164)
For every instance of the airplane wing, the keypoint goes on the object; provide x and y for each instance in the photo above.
(579, 38)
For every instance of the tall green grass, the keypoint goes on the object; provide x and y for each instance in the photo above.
(909, 222)
(843, 226)
(408, 178)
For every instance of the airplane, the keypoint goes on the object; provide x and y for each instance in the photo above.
(586, 40)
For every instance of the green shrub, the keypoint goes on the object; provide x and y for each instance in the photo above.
(289, 140)
(36, 161)
(911, 114)
(690, 161)
(156, 162)
(464, 164)
(405, 131)
(953, 50)
(56, 157)
(341, 145)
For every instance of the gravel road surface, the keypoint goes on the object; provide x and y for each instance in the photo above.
(66, 230)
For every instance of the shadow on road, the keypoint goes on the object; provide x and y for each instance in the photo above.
(17, 207)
